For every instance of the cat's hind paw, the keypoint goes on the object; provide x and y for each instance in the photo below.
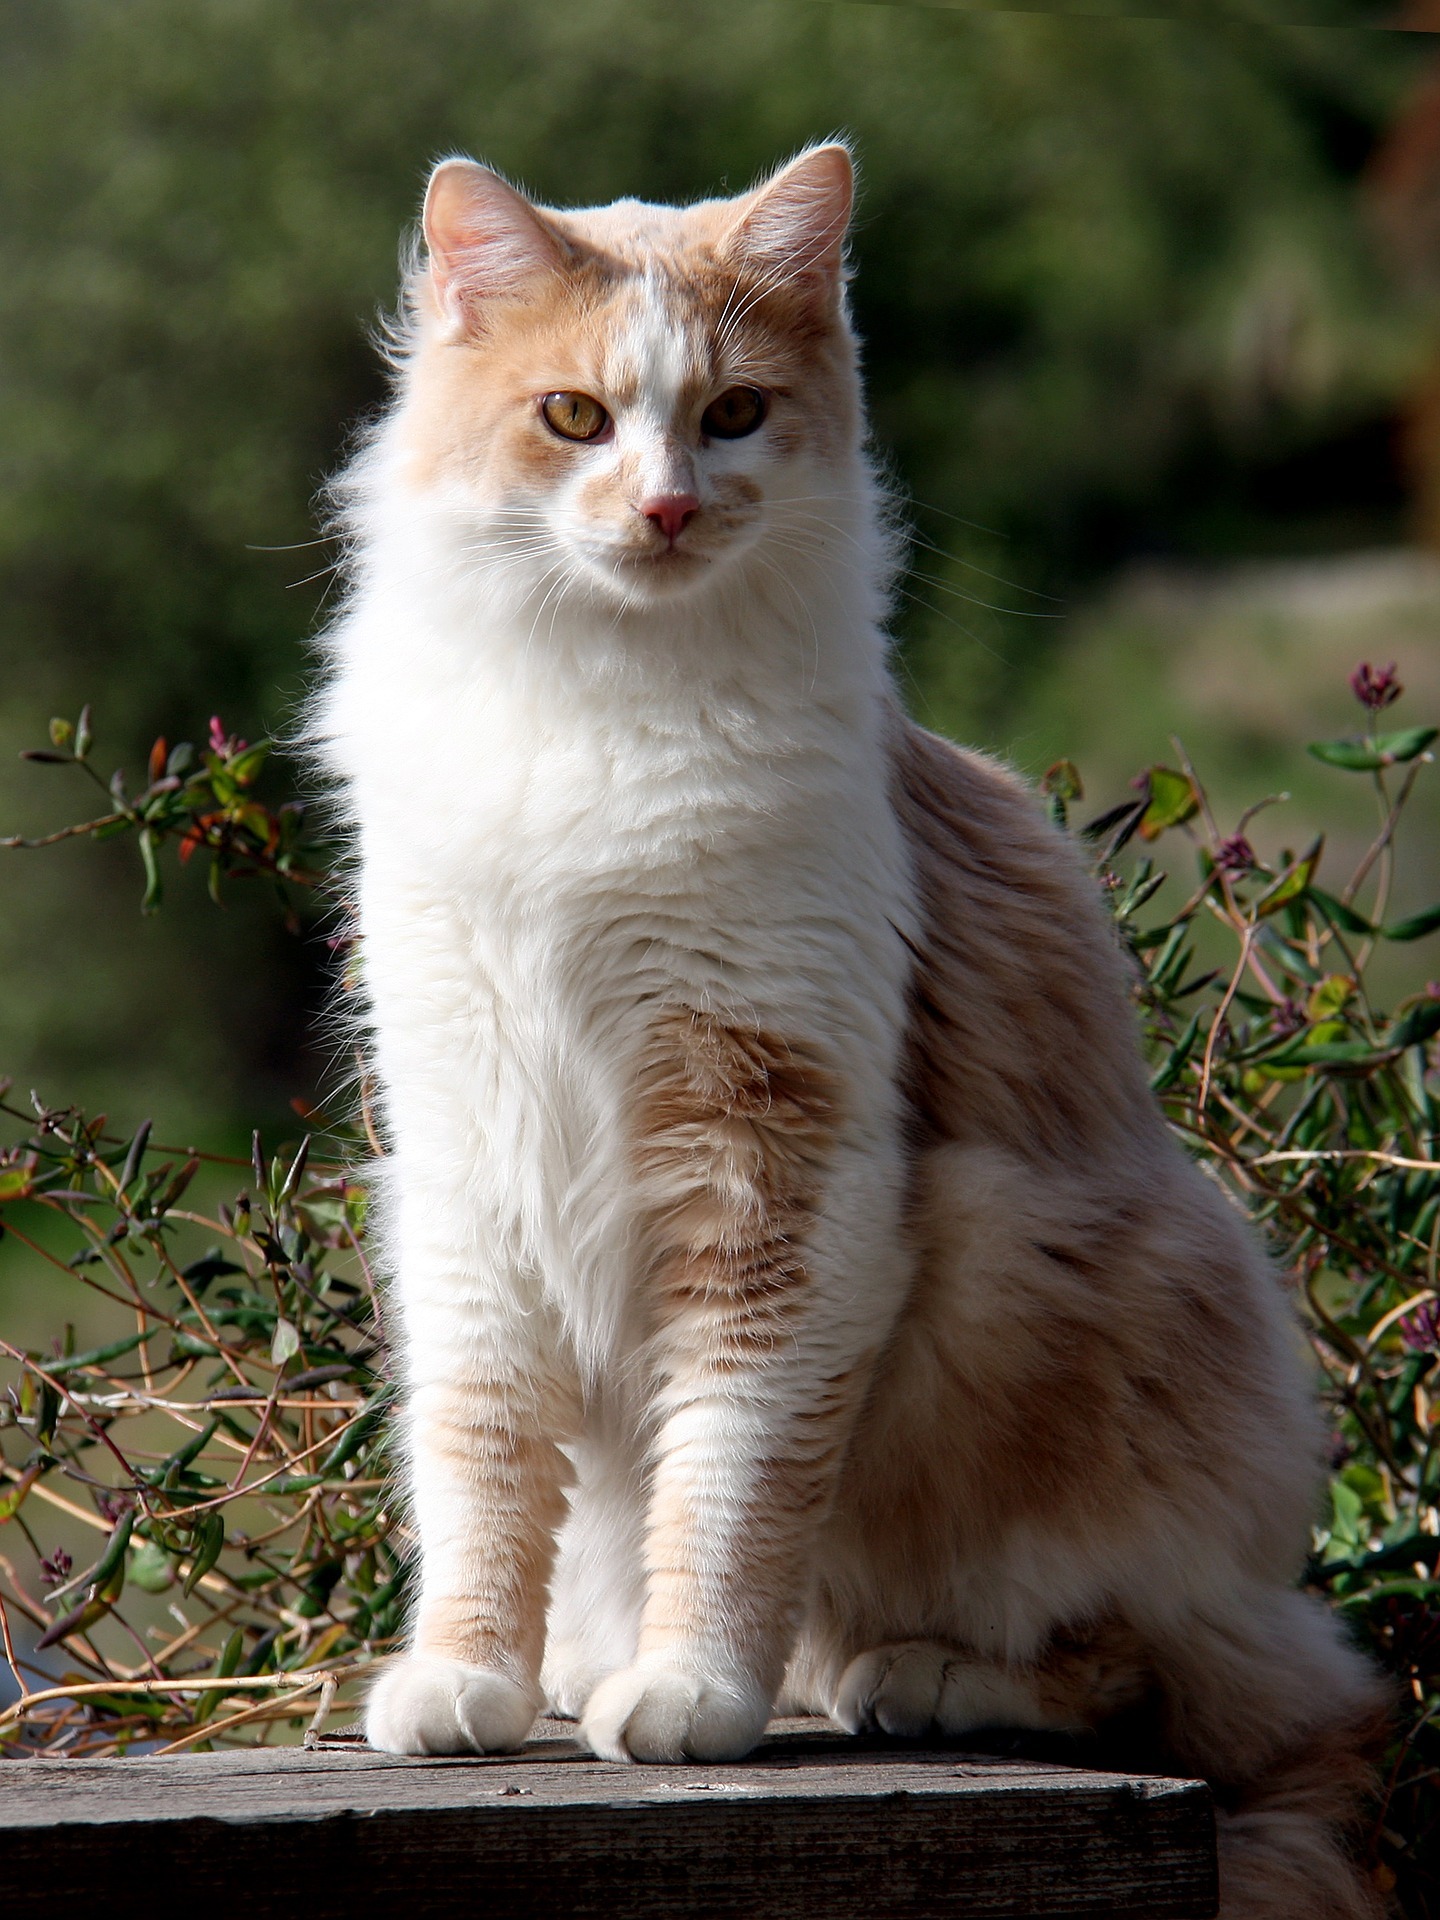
(661, 1715)
(426, 1703)
(914, 1686)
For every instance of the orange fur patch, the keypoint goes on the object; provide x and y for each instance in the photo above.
(734, 1129)
(512, 1482)
(733, 1134)
(1017, 978)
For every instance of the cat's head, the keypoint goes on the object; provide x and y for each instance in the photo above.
(635, 395)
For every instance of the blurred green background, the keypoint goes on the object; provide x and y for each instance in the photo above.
(1151, 334)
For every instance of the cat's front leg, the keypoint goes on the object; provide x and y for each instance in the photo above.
(775, 1268)
(486, 1482)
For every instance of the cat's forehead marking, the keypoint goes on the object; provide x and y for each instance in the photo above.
(656, 333)
(656, 350)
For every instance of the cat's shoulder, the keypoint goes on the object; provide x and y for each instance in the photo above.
(944, 791)
(979, 833)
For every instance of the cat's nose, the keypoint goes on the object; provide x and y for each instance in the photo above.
(671, 512)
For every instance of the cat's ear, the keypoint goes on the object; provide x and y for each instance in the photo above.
(793, 227)
(482, 238)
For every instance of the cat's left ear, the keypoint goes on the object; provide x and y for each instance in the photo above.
(793, 227)
(482, 238)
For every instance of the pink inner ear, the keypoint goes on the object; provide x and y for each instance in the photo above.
(795, 224)
(481, 235)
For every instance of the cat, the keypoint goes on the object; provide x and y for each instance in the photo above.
(801, 1299)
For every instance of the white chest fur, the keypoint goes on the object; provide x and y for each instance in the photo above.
(547, 864)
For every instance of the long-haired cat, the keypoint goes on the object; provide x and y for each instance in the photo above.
(800, 1295)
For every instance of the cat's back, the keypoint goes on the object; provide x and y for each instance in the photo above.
(1020, 1028)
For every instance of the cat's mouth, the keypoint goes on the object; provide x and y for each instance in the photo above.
(663, 558)
(660, 569)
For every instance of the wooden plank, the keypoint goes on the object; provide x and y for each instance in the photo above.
(810, 1827)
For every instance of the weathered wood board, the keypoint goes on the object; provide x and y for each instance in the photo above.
(810, 1827)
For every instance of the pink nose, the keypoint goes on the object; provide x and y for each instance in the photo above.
(671, 512)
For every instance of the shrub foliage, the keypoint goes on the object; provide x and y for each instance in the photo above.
(226, 1455)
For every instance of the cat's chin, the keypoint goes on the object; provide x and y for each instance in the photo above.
(653, 578)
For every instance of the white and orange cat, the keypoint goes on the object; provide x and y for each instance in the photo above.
(801, 1298)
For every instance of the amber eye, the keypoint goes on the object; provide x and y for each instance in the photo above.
(574, 416)
(738, 411)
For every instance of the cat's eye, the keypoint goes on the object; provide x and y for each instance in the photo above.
(738, 411)
(574, 416)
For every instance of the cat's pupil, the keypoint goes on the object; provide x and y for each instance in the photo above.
(738, 411)
(575, 416)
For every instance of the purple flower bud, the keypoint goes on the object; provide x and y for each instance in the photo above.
(1235, 855)
(1420, 1330)
(54, 1570)
(1375, 687)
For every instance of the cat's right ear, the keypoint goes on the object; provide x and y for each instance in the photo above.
(482, 239)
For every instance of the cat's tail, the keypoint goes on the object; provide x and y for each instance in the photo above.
(1290, 1844)
(1288, 1722)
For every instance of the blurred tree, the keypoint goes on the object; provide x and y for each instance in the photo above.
(1112, 277)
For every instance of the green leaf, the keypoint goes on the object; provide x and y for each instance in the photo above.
(135, 1154)
(286, 1342)
(1342, 1053)
(1338, 914)
(1061, 785)
(1419, 1024)
(353, 1438)
(1332, 994)
(1365, 756)
(189, 1346)
(229, 1660)
(244, 769)
(113, 1557)
(1062, 780)
(1407, 744)
(210, 1543)
(168, 1473)
(1169, 1072)
(153, 889)
(13, 1497)
(1414, 928)
(150, 1567)
(1348, 1531)
(1294, 881)
(80, 1620)
(1119, 823)
(1172, 798)
(96, 1355)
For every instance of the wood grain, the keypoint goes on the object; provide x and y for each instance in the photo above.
(811, 1825)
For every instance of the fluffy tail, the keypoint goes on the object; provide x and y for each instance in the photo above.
(1288, 1840)
(1287, 1721)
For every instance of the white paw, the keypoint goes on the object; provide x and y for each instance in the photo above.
(896, 1689)
(657, 1714)
(426, 1703)
(567, 1681)
(916, 1685)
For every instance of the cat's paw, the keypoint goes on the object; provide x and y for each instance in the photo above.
(567, 1680)
(659, 1714)
(426, 1703)
(914, 1686)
